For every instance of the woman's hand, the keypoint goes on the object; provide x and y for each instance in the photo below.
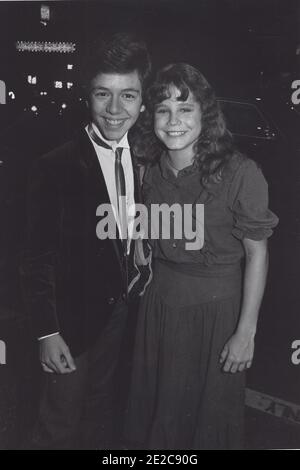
(237, 353)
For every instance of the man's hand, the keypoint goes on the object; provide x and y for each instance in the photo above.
(55, 355)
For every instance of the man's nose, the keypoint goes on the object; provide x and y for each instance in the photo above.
(113, 106)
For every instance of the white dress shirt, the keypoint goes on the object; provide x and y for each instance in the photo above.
(106, 159)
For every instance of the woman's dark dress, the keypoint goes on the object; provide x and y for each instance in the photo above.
(180, 398)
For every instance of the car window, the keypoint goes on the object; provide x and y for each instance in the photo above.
(245, 119)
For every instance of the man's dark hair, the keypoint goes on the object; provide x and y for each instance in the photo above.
(119, 53)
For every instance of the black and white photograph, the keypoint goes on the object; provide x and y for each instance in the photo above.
(149, 227)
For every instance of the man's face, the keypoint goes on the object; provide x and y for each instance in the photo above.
(115, 102)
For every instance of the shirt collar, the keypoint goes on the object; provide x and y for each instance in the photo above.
(167, 173)
(112, 143)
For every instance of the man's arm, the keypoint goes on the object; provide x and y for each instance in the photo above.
(40, 266)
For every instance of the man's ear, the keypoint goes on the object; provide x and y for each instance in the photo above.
(142, 108)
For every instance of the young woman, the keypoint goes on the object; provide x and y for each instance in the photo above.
(197, 320)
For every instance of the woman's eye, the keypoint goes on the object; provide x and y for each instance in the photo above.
(186, 110)
(160, 111)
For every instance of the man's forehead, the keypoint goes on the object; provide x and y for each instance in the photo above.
(122, 81)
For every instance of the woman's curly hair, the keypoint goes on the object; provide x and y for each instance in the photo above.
(214, 147)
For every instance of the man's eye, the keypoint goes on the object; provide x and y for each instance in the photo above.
(128, 96)
(160, 111)
(101, 94)
(186, 110)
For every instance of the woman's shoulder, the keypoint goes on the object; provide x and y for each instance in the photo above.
(237, 162)
(240, 166)
(247, 181)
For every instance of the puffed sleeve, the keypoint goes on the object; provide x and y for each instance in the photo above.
(249, 200)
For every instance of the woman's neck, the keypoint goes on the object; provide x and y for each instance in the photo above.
(179, 160)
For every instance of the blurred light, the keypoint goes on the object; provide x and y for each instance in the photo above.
(34, 108)
(38, 46)
(70, 66)
(258, 99)
(32, 79)
(64, 106)
(12, 95)
(69, 85)
(58, 84)
(259, 128)
(43, 93)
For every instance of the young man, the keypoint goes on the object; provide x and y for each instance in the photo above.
(76, 283)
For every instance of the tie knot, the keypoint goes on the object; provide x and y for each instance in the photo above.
(118, 153)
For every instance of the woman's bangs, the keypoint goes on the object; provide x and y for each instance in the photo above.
(164, 91)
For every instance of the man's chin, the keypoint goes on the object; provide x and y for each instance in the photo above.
(111, 134)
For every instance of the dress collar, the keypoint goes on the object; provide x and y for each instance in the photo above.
(167, 172)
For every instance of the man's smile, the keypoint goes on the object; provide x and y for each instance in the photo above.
(114, 122)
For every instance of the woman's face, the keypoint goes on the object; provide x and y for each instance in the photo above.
(178, 123)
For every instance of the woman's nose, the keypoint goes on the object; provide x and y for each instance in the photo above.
(173, 118)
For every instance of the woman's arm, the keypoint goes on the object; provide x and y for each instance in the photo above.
(238, 352)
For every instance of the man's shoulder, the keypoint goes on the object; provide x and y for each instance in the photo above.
(64, 153)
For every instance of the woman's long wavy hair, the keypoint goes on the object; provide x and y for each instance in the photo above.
(214, 147)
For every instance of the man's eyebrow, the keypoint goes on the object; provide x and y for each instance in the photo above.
(135, 90)
(97, 87)
(132, 89)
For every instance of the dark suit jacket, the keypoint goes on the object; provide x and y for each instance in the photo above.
(72, 279)
(12, 219)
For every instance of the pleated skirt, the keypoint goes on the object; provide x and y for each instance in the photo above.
(180, 398)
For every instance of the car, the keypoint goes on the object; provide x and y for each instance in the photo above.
(269, 137)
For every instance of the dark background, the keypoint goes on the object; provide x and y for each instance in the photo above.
(248, 52)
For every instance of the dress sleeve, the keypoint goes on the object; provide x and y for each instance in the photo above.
(249, 200)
